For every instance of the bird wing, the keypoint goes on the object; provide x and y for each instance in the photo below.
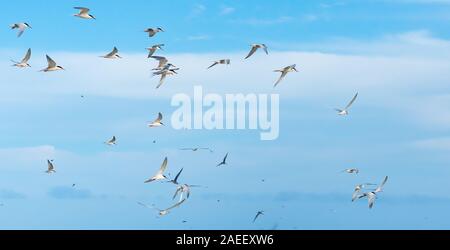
(176, 205)
(178, 176)
(355, 195)
(283, 75)
(176, 193)
(352, 101)
(160, 118)
(21, 31)
(50, 166)
(380, 188)
(27, 56)
(371, 198)
(83, 10)
(151, 51)
(254, 49)
(151, 32)
(162, 60)
(161, 81)
(51, 62)
(266, 50)
(214, 64)
(226, 157)
(257, 216)
(163, 166)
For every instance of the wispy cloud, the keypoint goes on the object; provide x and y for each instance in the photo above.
(198, 38)
(68, 193)
(197, 10)
(261, 21)
(226, 10)
(7, 194)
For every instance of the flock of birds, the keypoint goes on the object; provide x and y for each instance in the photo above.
(164, 69)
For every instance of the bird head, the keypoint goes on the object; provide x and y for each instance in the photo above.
(160, 29)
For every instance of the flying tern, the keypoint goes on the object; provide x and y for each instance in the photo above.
(50, 167)
(112, 141)
(160, 174)
(21, 27)
(153, 31)
(153, 49)
(113, 54)
(84, 13)
(224, 162)
(52, 66)
(24, 62)
(260, 213)
(223, 61)
(158, 122)
(284, 73)
(344, 112)
(255, 47)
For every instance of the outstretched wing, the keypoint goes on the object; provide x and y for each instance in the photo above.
(178, 176)
(27, 56)
(83, 10)
(163, 166)
(352, 101)
(283, 75)
(176, 205)
(113, 52)
(214, 64)
(380, 188)
(51, 62)
(254, 49)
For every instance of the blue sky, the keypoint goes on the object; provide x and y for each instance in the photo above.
(394, 53)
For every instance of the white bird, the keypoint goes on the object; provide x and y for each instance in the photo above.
(358, 190)
(160, 174)
(344, 111)
(351, 171)
(284, 73)
(255, 47)
(158, 122)
(24, 62)
(50, 167)
(184, 189)
(223, 61)
(164, 73)
(373, 195)
(52, 66)
(153, 49)
(113, 54)
(153, 31)
(112, 141)
(165, 211)
(21, 27)
(84, 13)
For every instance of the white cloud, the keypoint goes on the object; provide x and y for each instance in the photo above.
(198, 38)
(260, 21)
